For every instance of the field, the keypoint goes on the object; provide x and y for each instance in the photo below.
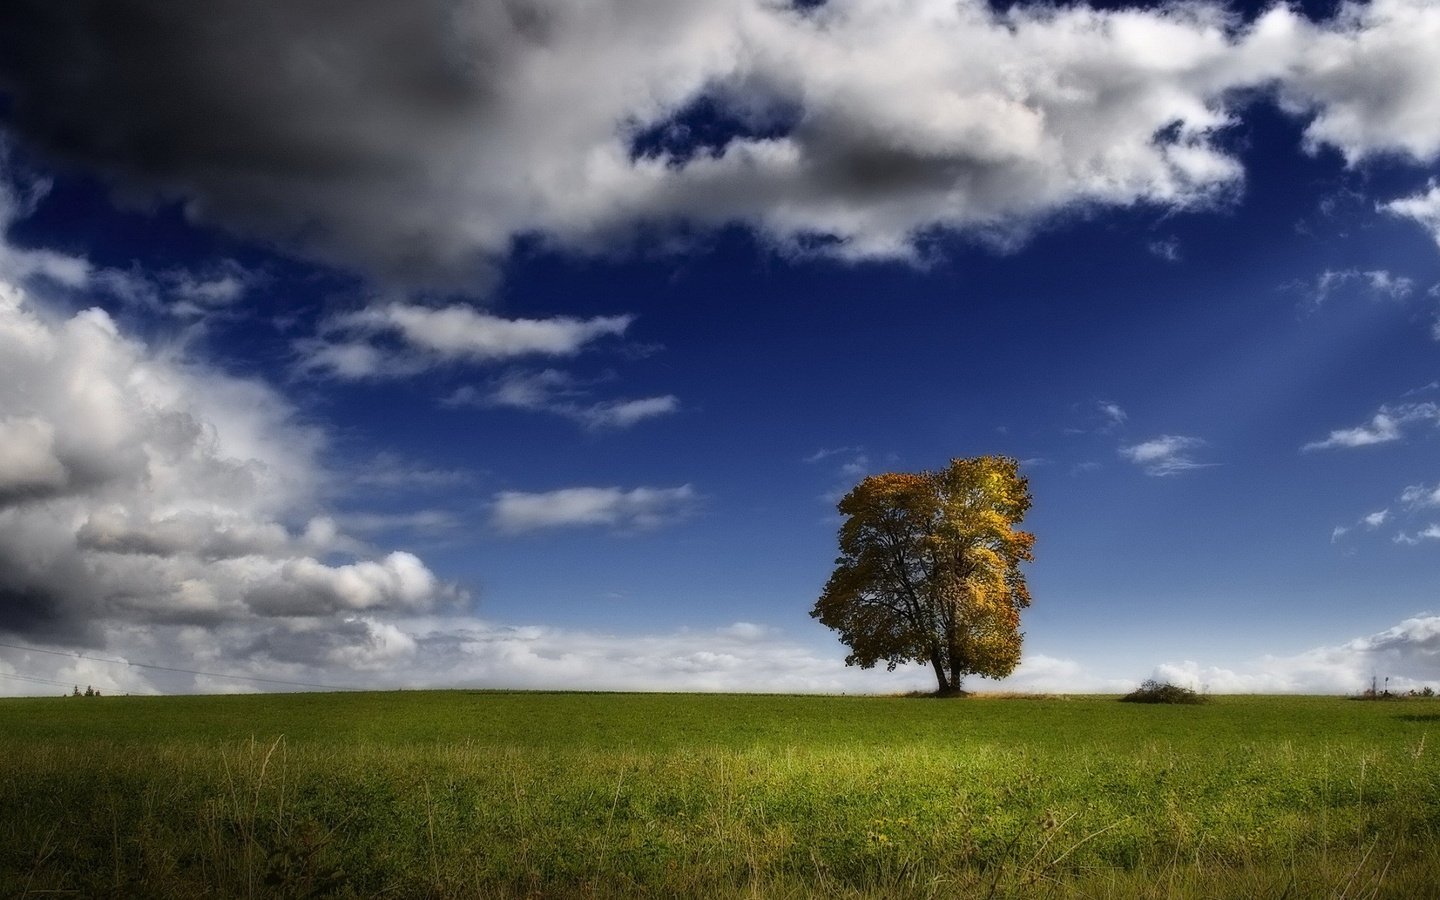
(463, 794)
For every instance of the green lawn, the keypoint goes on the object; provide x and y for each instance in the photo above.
(460, 794)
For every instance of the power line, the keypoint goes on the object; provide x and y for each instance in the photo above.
(35, 678)
(126, 662)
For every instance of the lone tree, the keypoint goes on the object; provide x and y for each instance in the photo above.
(929, 570)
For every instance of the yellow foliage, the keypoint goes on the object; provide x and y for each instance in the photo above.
(929, 570)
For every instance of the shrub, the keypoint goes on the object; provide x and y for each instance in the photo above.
(1152, 691)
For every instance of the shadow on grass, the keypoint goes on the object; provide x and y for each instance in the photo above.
(1419, 717)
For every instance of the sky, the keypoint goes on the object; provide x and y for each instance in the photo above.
(530, 343)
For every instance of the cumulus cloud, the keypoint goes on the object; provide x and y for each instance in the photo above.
(1386, 426)
(1363, 75)
(1423, 208)
(608, 507)
(1168, 454)
(306, 587)
(418, 141)
(139, 487)
(359, 344)
(562, 394)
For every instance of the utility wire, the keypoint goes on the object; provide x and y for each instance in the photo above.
(125, 662)
(35, 678)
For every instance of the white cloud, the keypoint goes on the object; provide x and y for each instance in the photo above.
(1407, 654)
(138, 486)
(1419, 495)
(1423, 208)
(1113, 413)
(610, 507)
(826, 452)
(462, 651)
(389, 471)
(370, 651)
(851, 464)
(353, 345)
(859, 126)
(1428, 533)
(209, 290)
(562, 394)
(1380, 284)
(306, 587)
(1386, 426)
(1168, 249)
(1367, 75)
(1168, 454)
(1370, 521)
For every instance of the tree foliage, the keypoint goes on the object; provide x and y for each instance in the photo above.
(929, 570)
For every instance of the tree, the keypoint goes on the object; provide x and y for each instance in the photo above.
(929, 570)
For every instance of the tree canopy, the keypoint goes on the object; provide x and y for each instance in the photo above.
(929, 570)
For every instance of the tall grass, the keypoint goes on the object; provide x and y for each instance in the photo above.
(461, 795)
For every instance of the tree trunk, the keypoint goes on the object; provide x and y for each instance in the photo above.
(935, 661)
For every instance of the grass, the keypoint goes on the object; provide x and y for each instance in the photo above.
(463, 794)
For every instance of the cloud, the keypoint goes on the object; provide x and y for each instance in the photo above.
(391, 472)
(1364, 76)
(1168, 249)
(1428, 533)
(609, 507)
(562, 394)
(359, 344)
(850, 465)
(1379, 284)
(306, 587)
(1407, 654)
(1168, 454)
(1386, 426)
(1370, 521)
(141, 487)
(1112, 412)
(1420, 496)
(419, 141)
(825, 453)
(1423, 208)
(445, 651)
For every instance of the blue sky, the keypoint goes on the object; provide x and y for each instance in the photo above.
(531, 345)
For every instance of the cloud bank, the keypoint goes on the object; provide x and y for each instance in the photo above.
(419, 141)
(1408, 655)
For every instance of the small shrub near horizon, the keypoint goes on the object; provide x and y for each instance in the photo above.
(1152, 691)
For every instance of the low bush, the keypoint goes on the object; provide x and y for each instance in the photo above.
(1152, 691)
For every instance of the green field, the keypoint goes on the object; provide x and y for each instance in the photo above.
(461, 794)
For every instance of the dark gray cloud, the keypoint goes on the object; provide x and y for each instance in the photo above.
(416, 141)
(264, 117)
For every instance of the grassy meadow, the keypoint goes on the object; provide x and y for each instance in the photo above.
(480, 794)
